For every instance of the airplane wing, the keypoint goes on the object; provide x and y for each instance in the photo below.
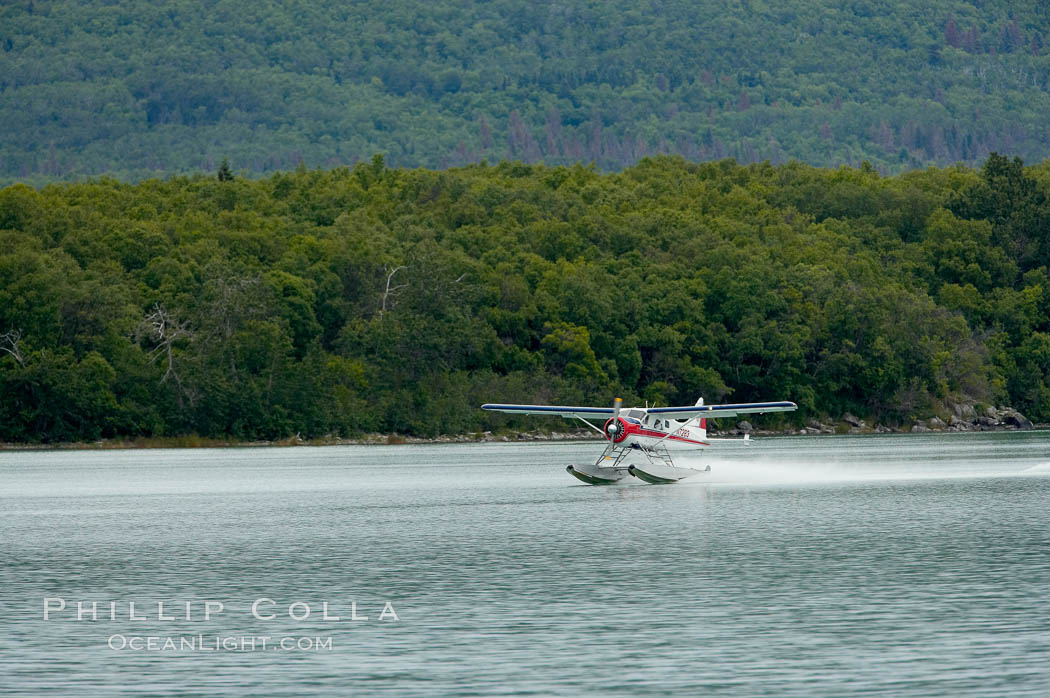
(555, 410)
(711, 411)
(717, 411)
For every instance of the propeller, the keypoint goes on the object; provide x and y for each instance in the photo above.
(614, 427)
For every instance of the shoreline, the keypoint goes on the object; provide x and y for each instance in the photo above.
(192, 441)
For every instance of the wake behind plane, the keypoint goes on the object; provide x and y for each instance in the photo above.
(652, 432)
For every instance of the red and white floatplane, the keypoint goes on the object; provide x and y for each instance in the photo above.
(651, 432)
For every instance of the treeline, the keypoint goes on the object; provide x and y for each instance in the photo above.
(143, 89)
(378, 299)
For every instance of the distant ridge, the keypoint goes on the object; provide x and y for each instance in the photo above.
(140, 89)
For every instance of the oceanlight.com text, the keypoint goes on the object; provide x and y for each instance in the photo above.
(217, 643)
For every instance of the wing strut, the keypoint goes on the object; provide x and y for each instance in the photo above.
(590, 425)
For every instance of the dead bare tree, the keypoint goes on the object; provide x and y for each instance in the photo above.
(9, 343)
(390, 289)
(164, 328)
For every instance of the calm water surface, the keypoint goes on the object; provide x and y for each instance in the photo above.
(890, 565)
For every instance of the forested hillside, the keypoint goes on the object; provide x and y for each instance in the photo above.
(140, 88)
(380, 299)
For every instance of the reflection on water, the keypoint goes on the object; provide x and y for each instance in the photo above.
(901, 565)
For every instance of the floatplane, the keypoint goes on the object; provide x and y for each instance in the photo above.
(653, 432)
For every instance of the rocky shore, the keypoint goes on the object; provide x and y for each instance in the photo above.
(962, 417)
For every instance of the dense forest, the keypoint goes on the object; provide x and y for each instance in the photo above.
(139, 89)
(381, 299)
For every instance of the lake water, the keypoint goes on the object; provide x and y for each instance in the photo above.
(913, 565)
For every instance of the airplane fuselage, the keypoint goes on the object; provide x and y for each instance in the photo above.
(637, 428)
